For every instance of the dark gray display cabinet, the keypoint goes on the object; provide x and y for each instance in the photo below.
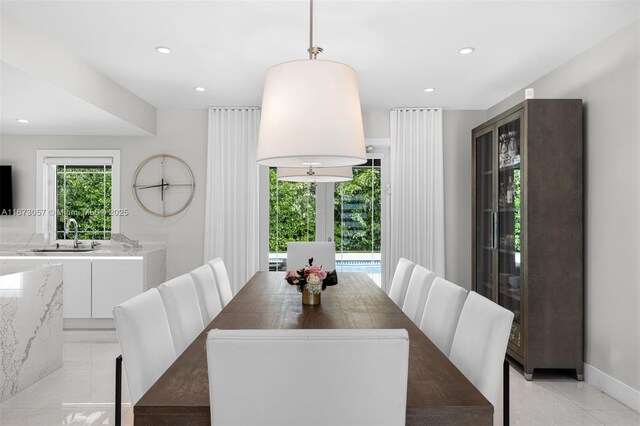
(527, 228)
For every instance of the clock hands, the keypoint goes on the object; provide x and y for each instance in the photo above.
(159, 185)
(165, 184)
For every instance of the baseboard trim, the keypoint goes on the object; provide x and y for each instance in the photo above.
(612, 387)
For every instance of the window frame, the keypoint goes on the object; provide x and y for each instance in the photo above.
(46, 196)
(324, 227)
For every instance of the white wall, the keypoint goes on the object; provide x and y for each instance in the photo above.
(456, 135)
(376, 123)
(606, 78)
(179, 132)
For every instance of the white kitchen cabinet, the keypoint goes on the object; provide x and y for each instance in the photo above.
(76, 292)
(114, 281)
(24, 263)
(76, 278)
(94, 285)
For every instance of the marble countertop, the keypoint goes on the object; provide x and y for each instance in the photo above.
(98, 252)
(23, 245)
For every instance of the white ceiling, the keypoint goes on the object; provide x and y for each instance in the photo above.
(52, 111)
(397, 47)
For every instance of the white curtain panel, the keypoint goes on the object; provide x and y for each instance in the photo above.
(416, 225)
(231, 227)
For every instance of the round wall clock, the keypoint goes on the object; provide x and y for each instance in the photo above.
(163, 185)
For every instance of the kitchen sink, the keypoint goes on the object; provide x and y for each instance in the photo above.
(62, 250)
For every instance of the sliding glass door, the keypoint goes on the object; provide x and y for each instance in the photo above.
(357, 216)
(349, 213)
(292, 217)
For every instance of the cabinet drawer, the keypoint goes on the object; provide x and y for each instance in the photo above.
(113, 282)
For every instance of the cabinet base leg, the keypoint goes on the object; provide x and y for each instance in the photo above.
(528, 376)
(580, 377)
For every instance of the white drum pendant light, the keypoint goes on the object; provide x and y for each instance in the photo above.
(325, 174)
(311, 114)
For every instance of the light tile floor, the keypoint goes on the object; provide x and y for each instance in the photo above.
(556, 398)
(82, 393)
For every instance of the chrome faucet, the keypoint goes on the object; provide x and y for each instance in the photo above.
(75, 226)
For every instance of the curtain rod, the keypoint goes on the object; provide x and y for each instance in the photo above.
(235, 108)
(417, 109)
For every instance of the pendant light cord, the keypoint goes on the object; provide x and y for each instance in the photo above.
(311, 56)
(313, 51)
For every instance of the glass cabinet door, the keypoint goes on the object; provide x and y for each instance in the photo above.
(484, 213)
(509, 221)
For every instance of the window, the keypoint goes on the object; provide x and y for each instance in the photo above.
(357, 221)
(79, 185)
(349, 213)
(84, 193)
(353, 214)
(292, 216)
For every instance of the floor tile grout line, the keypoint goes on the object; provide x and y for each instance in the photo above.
(588, 388)
(634, 414)
(594, 417)
(558, 410)
(552, 389)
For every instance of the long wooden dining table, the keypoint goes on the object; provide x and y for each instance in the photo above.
(437, 392)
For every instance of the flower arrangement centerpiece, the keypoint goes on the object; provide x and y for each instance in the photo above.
(311, 281)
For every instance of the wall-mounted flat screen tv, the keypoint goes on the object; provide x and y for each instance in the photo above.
(6, 191)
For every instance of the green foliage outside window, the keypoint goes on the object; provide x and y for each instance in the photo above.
(292, 212)
(357, 212)
(84, 194)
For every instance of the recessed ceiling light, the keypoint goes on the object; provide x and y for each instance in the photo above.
(163, 49)
(199, 89)
(429, 89)
(466, 50)
(22, 121)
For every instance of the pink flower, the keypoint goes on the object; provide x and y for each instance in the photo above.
(291, 274)
(292, 277)
(315, 270)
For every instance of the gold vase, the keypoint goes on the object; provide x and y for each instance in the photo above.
(310, 298)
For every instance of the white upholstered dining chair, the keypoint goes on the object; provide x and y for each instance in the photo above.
(323, 254)
(442, 312)
(145, 341)
(183, 310)
(400, 281)
(222, 280)
(417, 292)
(207, 292)
(308, 377)
(480, 343)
